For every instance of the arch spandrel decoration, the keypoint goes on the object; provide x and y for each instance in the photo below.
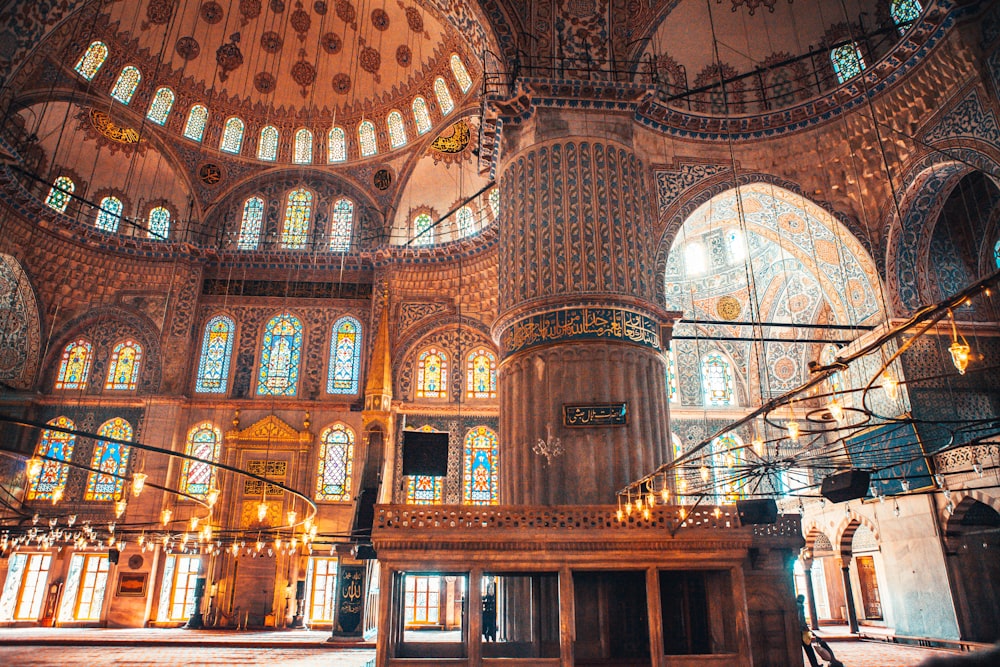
(21, 342)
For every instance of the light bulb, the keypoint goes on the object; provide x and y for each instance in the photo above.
(976, 465)
(194, 523)
(651, 499)
(895, 508)
(665, 495)
(141, 539)
(793, 430)
(212, 496)
(891, 385)
(138, 483)
(628, 508)
(836, 410)
(57, 495)
(638, 503)
(261, 511)
(291, 515)
(620, 515)
(645, 513)
(758, 446)
(717, 512)
(165, 515)
(905, 483)
(120, 508)
(259, 545)
(33, 467)
(682, 486)
(959, 356)
(703, 470)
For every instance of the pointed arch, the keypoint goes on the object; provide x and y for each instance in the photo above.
(342, 225)
(109, 215)
(158, 226)
(366, 138)
(60, 194)
(204, 441)
(397, 130)
(421, 116)
(464, 219)
(250, 225)
(480, 485)
(197, 119)
(110, 460)
(344, 375)
(904, 13)
(91, 61)
(280, 356)
(159, 108)
(232, 135)
(336, 463)
(52, 476)
(298, 214)
(74, 369)
(462, 77)
(336, 145)
(848, 61)
(127, 83)
(481, 374)
(267, 147)
(123, 370)
(445, 102)
(216, 352)
(423, 229)
(432, 373)
(302, 152)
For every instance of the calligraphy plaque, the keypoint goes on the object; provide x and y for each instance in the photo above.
(586, 323)
(595, 415)
(132, 584)
(350, 599)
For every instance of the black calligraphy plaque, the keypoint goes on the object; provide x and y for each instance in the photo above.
(350, 598)
(594, 415)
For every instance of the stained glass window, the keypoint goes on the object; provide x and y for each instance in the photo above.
(443, 96)
(671, 376)
(298, 210)
(727, 460)
(343, 225)
(421, 115)
(717, 378)
(432, 374)
(110, 214)
(216, 351)
(303, 153)
(423, 234)
(75, 366)
(280, 356)
(232, 135)
(495, 202)
(196, 121)
(345, 357)
(90, 62)
(424, 490)
(267, 149)
(111, 460)
(55, 445)
(123, 371)
(159, 108)
(996, 253)
(904, 13)
(481, 374)
(336, 145)
(827, 357)
(479, 468)
(847, 61)
(126, 84)
(60, 194)
(159, 223)
(680, 481)
(366, 137)
(336, 462)
(204, 441)
(253, 216)
(461, 74)
(397, 131)
(464, 219)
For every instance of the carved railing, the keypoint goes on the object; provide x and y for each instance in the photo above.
(964, 459)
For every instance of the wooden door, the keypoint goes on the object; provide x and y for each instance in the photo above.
(869, 588)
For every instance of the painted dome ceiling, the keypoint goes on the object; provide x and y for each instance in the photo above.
(286, 60)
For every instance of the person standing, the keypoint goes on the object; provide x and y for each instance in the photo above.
(800, 601)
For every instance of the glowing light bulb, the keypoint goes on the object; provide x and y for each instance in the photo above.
(758, 446)
(665, 495)
(960, 356)
(682, 486)
(194, 523)
(628, 508)
(638, 503)
(33, 467)
(261, 511)
(891, 385)
(259, 545)
(645, 513)
(165, 515)
(291, 516)
(212, 496)
(717, 512)
(836, 410)
(120, 508)
(703, 470)
(793, 430)
(651, 499)
(57, 495)
(620, 515)
(138, 483)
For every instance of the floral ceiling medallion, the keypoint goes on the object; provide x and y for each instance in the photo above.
(753, 5)
(229, 56)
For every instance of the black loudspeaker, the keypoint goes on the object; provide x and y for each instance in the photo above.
(764, 510)
(113, 556)
(300, 590)
(847, 485)
(425, 453)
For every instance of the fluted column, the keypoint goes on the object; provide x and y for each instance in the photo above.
(578, 321)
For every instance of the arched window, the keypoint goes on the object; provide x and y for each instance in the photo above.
(126, 84)
(717, 379)
(728, 456)
(253, 216)
(343, 225)
(197, 118)
(443, 96)
(672, 396)
(159, 223)
(159, 108)
(432, 374)
(110, 214)
(397, 131)
(423, 234)
(298, 210)
(280, 355)
(424, 490)
(267, 149)
(336, 463)
(111, 459)
(461, 74)
(51, 478)
(996, 253)
(904, 13)
(495, 202)
(827, 357)
(680, 479)
(232, 135)
(336, 145)
(366, 137)
(848, 62)
(695, 259)
(216, 351)
(75, 366)
(421, 115)
(204, 441)
(481, 374)
(90, 62)
(123, 371)
(464, 219)
(479, 468)
(303, 151)
(60, 194)
(345, 357)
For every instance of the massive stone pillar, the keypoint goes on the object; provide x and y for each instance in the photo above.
(578, 322)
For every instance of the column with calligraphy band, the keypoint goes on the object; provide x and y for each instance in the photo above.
(582, 380)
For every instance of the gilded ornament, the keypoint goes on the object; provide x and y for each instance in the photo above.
(728, 308)
(111, 130)
(455, 141)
